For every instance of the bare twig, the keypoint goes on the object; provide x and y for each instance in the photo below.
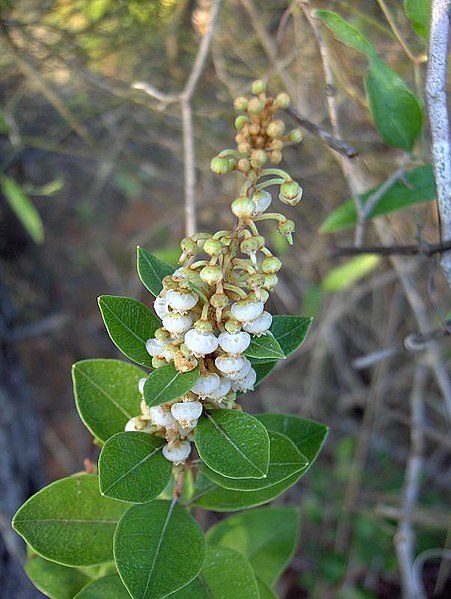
(425, 249)
(435, 93)
(418, 567)
(374, 198)
(405, 537)
(335, 144)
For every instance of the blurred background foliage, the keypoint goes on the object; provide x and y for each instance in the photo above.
(91, 167)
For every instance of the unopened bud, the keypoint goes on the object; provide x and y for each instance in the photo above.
(255, 106)
(258, 158)
(296, 136)
(211, 274)
(276, 128)
(258, 87)
(240, 103)
(240, 121)
(213, 247)
(271, 265)
(243, 207)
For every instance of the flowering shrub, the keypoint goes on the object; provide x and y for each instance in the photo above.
(128, 531)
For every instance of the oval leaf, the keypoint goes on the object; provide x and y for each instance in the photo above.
(54, 580)
(158, 548)
(266, 537)
(419, 12)
(265, 346)
(225, 575)
(106, 395)
(307, 435)
(290, 331)
(129, 324)
(417, 186)
(69, 522)
(284, 461)
(347, 34)
(151, 270)
(233, 444)
(396, 111)
(167, 383)
(108, 587)
(132, 467)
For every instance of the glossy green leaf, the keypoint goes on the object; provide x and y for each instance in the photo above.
(396, 111)
(151, 270)
(284, 461)
(129, 324)
(290, 331)
(234, 444)
(345, 33)
(307, 435)
(210, 496)
(108, 587)
(266, 537)
(132, 467)
(167, 383)
(158, 548)
(224, 575)
(265, 346)
(346, 274)
(262, 369)
(106, 395)
(418, 12)
(54, 580)
(23, 208)
(69, 522)
(417, 186)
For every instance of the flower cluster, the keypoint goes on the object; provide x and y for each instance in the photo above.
(214, 304)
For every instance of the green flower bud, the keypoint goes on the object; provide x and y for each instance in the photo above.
(244, 148)
(276, 157)
(244, 166)
(213, 247)
(162, 334)
(254, 281)
(158, 362)
(189, 246)
(243, 207)
(219, 166)
(296, 136)
(258, 87)
(233, 326)
(270, 281)
(240, 103)
(255, 106)
(271, 265)
(251, 245)
(282, 100)
(276, 128)
(286, 228)
(219, 301)
(240, 121)
(232, 164)
(258, 158)
(203, 326)
(290, 193)
(211, 274)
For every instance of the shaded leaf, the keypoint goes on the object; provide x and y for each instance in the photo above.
(152, 270)
(158, 548)
(267, 537)
(106, 395)
(346, 33)
(132, 467)
(109, 587)
(264, 590)
(234, 444)
(167, 383)
(419, 12)
(349, 272)
(69, 522)
(23, 208)
(418, 186)
(129, 324)
(284, 461)
(54, 580)
(290, 331)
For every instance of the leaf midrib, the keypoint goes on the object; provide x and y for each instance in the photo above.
(141, 339)
(107, 395)
(137, 465)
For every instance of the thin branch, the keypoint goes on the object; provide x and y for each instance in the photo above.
(397, 33)
(435, 93)
(374, 198)
(335, 144)
(425, 249)
(418, 567)
(405, 537)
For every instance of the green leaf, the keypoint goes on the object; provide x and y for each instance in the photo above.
(151, 270)
(264, 347)
(419, 11)
(69, 522)
(167, 383)
(417, 186)
(23, 209)
(129, 324)
(106, 395)
(132, 467)
(345, 33)
(262, 369)
(266, 537)
(54, 580)
(290, 331)
(109, 587)
(225, 575)
(284, 461)
(307, 435)
(210, 496)
(396, 111)
(346, 274)
(264, 590)
(158, 548)
(234, 444)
